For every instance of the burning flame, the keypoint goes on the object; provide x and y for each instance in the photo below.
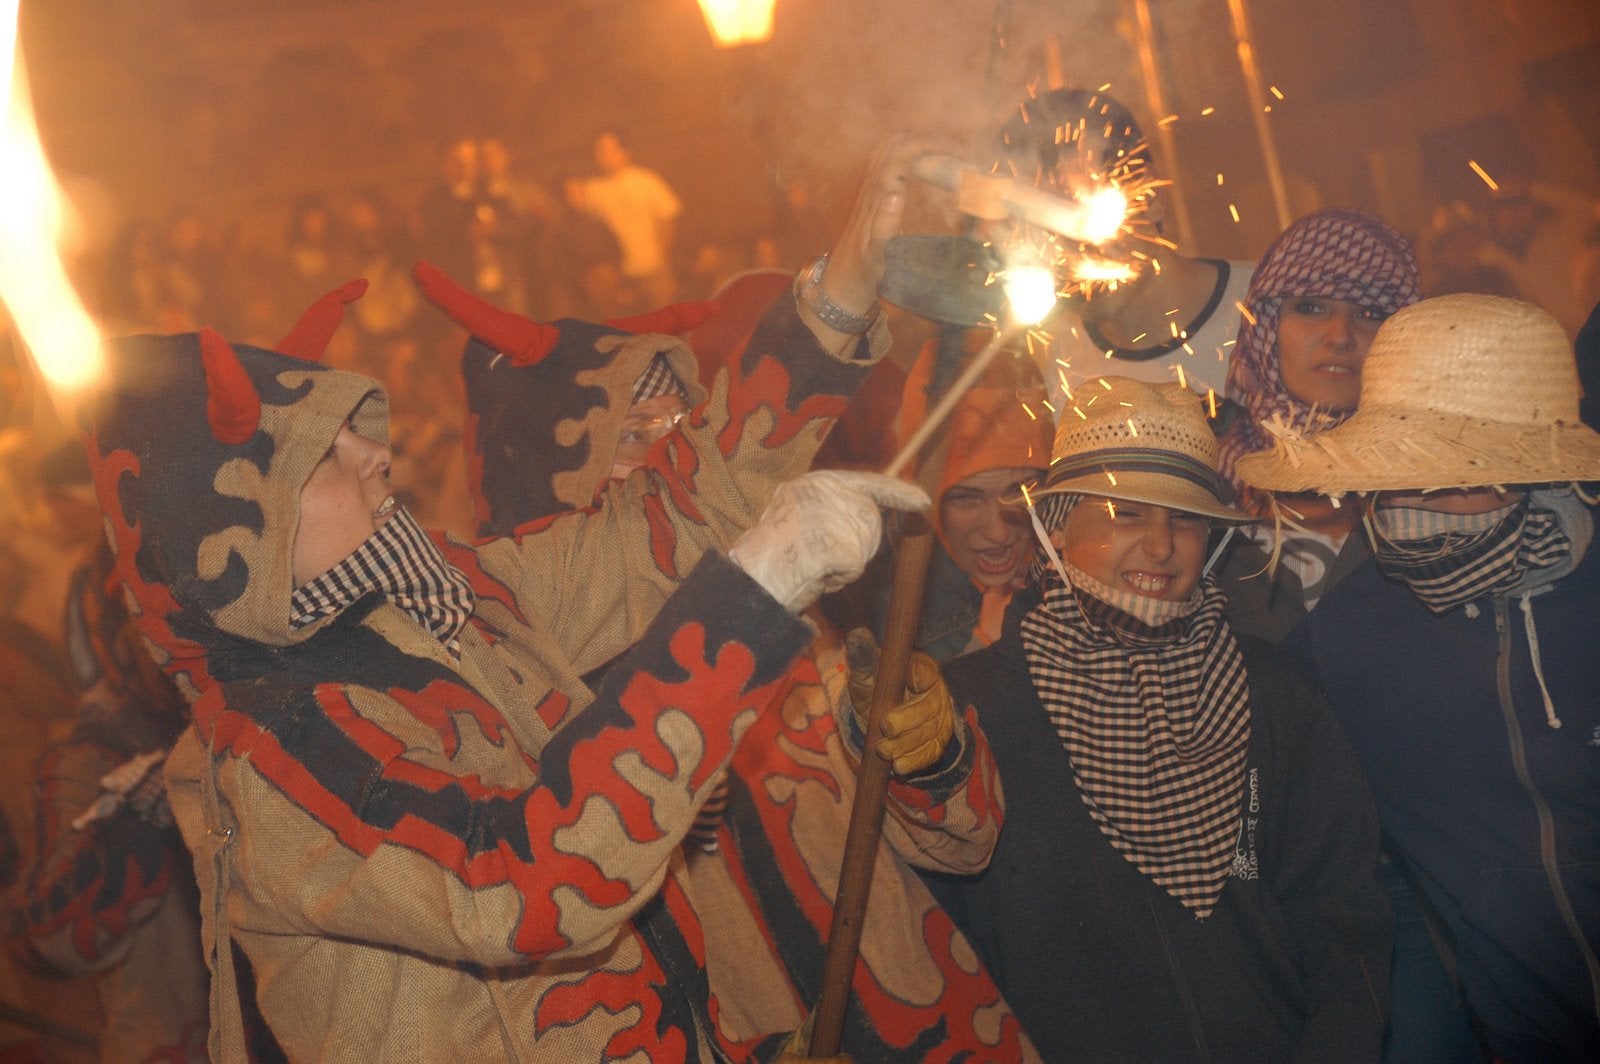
(33, 281)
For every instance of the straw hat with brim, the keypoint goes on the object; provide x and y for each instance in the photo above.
(1136, 442)
(1460, 391)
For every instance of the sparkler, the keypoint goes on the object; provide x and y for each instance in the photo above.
(52, 321)
(1092, 219)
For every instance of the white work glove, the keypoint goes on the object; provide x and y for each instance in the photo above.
(819, 531)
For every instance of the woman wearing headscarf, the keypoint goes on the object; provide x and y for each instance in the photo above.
(1461, 658)
(1315, 303)
(1187, 871)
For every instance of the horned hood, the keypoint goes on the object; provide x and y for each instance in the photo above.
(204, 527)
(541, 438)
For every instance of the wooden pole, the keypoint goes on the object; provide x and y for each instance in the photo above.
(1244, 42)
(913, 552)
(1155, 97)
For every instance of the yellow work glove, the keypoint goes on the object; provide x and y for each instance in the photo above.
(915, 732)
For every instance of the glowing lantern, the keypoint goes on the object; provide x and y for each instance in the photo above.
(736, 22)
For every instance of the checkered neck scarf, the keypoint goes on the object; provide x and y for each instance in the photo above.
(1156, 722)
(1449, 560)
(657, 379)
(401, 562)
(1334, 254)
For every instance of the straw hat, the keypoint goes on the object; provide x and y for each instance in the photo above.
(1125, 439)
(1460, 391)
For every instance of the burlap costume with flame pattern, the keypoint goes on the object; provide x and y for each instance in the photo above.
(432, 859)
(764, 872)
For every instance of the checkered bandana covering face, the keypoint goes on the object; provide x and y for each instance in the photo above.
(402, 563)
(657, 379)
(1449, 560)
(1335, 254)
(1156, 722)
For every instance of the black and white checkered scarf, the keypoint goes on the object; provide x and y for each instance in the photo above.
(1450, 559)
(400, 561)
(657, 379)
(1156, 722)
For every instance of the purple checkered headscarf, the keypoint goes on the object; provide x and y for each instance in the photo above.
(1333, 254)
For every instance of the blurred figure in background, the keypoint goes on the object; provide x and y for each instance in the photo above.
(641, 210)
(524, 214)
(111, 892)
(1455, 259)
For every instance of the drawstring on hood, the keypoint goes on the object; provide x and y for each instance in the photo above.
(1519, 551)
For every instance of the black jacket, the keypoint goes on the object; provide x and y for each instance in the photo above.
(1103, 965)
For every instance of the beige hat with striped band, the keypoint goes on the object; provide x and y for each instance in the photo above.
(1459, 391)
(1128, 440)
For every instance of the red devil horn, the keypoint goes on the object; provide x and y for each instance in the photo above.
(674, 319)
(310, 335)
(523, 340)
(232, 405)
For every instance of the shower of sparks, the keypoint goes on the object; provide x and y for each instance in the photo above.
(1493, 186)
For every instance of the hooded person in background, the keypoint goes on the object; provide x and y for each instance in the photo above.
(424, 832)
(1188, 866)
(1460, 658)
(999, 436)
(763, 859)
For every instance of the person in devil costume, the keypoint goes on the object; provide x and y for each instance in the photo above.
(428, 836)
(763, 857)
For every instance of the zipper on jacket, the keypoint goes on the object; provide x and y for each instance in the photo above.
(1547, 827)
(1180, 982)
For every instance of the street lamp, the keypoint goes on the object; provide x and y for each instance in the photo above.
(736, 22)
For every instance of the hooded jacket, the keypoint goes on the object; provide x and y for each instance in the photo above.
(426, 858)
(1491, 799)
